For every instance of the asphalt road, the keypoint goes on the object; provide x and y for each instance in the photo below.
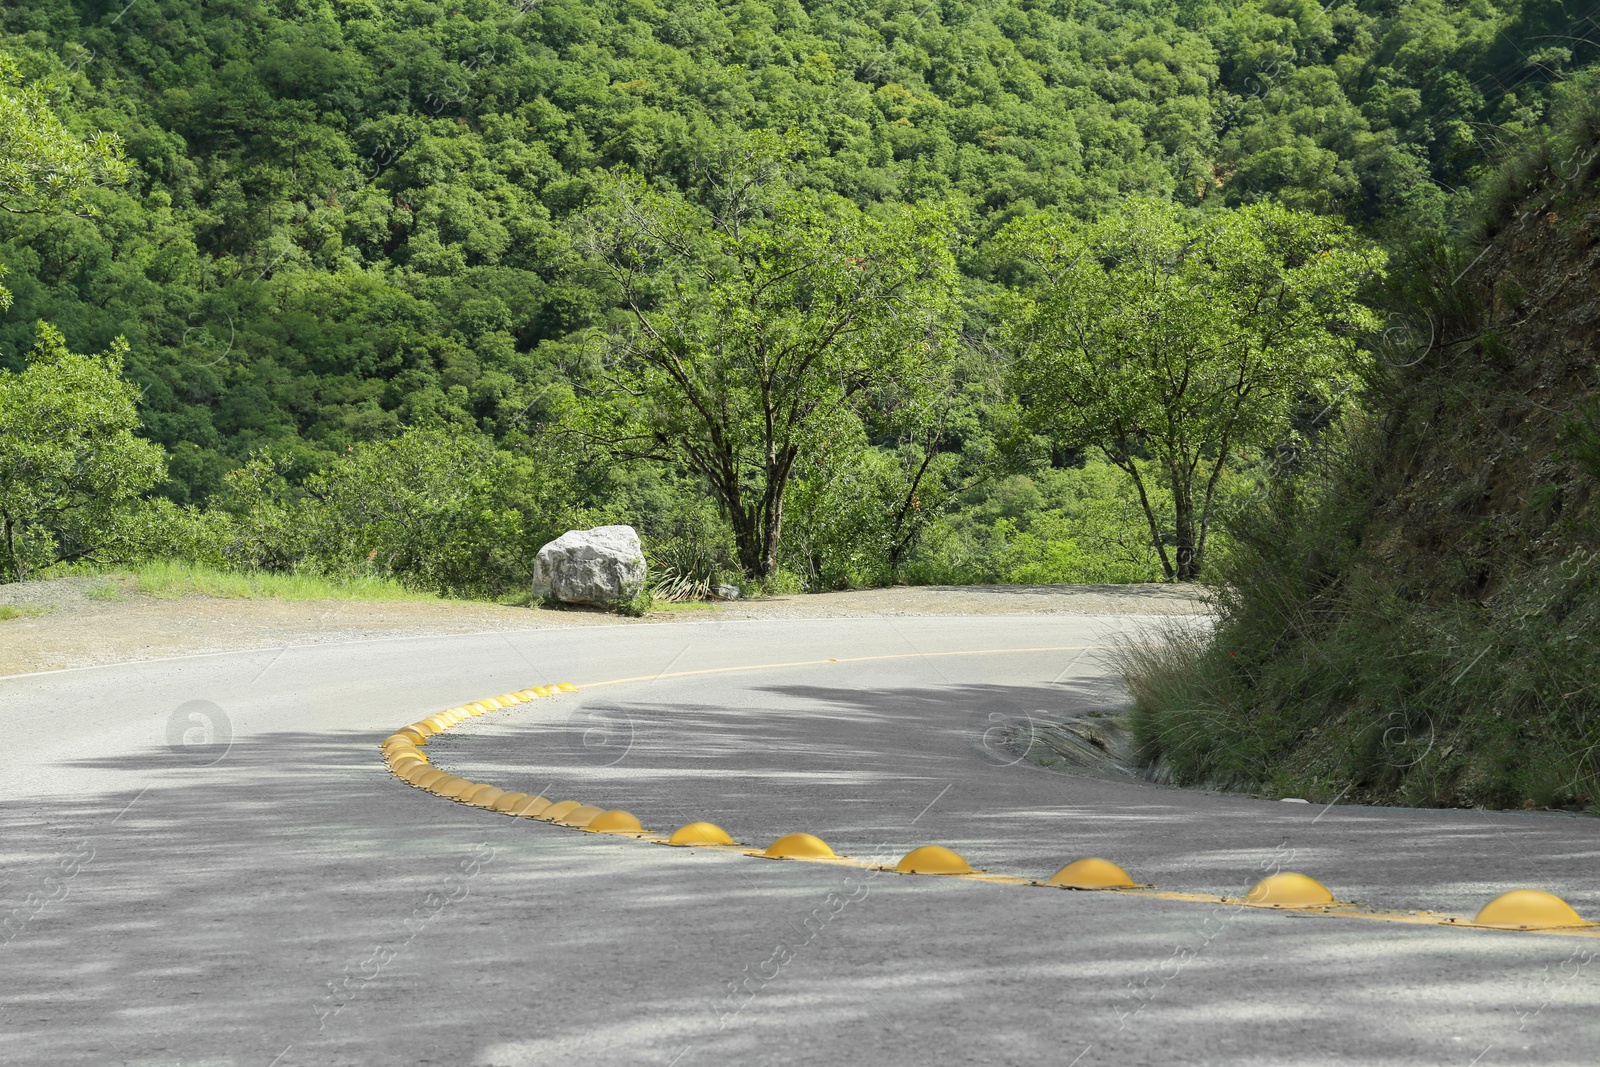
(205, 862)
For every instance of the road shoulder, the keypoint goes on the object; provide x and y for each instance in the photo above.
(72, 623)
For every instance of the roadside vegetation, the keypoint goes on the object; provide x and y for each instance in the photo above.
(1413, 616)
(167, 579)
(454, 226)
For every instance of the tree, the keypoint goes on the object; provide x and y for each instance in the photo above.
(69, 459)
(434, 509)
(755, 318)
(1158, 334)
(43, 168)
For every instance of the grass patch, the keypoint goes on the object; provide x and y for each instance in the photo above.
(14, 611)
(174, 580)
(678, 607)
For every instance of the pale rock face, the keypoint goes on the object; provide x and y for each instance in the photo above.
(602, 567)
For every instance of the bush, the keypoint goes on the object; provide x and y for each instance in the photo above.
(1069, 525)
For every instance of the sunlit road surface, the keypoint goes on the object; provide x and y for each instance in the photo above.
(205, 862)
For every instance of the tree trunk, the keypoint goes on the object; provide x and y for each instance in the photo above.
(1188, 545)
(903, 528)
(749, 538)
(758, 526)
(772, 533)
(1131, 469)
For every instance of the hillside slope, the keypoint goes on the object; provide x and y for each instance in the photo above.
(347, 219)
(1420, 620)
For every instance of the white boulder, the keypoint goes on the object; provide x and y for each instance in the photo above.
(602, 567)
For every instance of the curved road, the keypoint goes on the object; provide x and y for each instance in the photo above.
(275, 897)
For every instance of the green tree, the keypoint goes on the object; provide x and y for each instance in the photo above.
(1163, 334)
(756, 318)
(44, 169)
(436, 510)
(69, 459)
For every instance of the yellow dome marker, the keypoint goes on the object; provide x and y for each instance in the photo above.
(700, 833)
(580, 816)
(542, 691)
(426, 780)
(533, 808)
(416, 735)
(932, 859)
(526, 694)
(1091, 872)
(453, 787)
(614, 822)
(558, 809)
(400, 763)
(413, 772)
(476, 797)
(1528, 909)
(423, 727)
(397, 739)
(1288, 890)
(439, 723)
(798, 847)
(567, 687)
(508, 699)
(506, 801)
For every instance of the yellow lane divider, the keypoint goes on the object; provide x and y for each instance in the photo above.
(846, 659)
(1520, 909)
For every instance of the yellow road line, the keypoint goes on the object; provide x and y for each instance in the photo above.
(843, 659)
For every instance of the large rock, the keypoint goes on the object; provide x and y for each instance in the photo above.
(603, 567)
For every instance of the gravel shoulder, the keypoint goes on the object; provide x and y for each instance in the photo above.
(84, 622)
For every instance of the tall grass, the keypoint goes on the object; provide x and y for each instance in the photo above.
(1413, 618)
(1346, 664)
(173, 580)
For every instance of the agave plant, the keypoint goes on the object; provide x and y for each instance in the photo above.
(680, 571)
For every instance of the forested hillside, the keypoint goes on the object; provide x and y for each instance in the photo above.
(349, 220)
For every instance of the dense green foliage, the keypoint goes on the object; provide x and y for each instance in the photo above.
(757, 324)
(69, 460)
(346, 220)
(1414, 617)
(1153, 334)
